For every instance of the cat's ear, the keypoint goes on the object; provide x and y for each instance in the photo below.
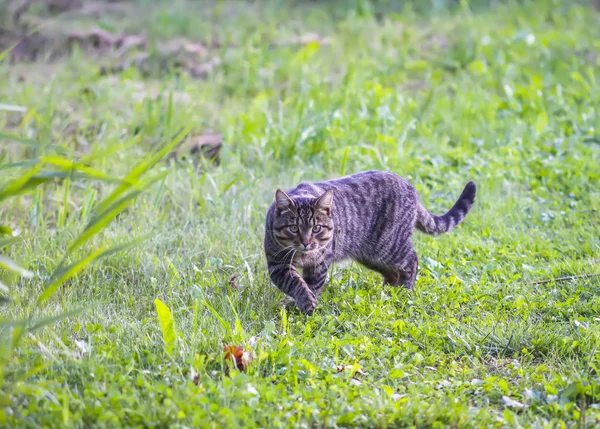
(283, 201)
(324, 202)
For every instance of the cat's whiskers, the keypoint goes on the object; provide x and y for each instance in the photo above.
(291, 246)
(292, 262)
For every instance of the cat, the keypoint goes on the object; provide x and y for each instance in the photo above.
(368, 217)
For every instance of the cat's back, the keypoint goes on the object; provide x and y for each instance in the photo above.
(373, 188)
(373, 183)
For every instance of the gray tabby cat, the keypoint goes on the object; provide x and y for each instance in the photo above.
(368, 217)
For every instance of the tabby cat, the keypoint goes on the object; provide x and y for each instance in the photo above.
(368, 217)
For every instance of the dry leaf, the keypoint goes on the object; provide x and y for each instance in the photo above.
(194, 376)
(359, 371)
(233, 280)
(240, 357)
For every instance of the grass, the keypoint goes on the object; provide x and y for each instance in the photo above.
(504, 94)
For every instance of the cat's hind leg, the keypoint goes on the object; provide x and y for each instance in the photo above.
(389, 273)
(407, 271)
(398, 270)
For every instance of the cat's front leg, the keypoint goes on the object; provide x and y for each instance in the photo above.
(315, 277)
(289, 281)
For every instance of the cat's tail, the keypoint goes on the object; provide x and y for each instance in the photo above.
(434, 225)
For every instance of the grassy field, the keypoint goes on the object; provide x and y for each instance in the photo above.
(506, 94)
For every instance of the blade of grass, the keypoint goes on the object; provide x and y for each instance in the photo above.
(19, 187)
(7, 51)
(14, 187)
(28, 163)
(218, 317)
(69, 165)
(101, 220)
(63, 274)
(40, 323)
(4, 242)
(142, 168)
(10, 265)
(98, 154)
(15, 138)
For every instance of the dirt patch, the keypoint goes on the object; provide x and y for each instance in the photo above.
(207, 146)
(180, 54)
(32, 38)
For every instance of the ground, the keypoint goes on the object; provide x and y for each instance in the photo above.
(503, 327)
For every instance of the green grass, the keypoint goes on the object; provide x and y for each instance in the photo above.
(506, 95)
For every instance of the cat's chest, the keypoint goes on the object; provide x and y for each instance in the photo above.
(309, 259)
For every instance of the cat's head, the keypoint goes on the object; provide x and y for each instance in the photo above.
(303, 224)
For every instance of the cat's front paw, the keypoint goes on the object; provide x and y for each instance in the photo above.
(307, 304)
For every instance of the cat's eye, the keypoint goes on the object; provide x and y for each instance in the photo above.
(317, 228)
(294, 229)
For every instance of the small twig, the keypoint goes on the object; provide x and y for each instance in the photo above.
(562, 279)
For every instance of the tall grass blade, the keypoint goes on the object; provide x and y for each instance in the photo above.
(15, 138)
(101, 220)
(219, 318)
(70, 166)
(5, 242)
(12, 266)
(7, 51)
(62, 274)
(28, 163)
(40, 323)
(14, 188)
(142, 168)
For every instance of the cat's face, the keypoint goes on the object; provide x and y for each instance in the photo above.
(303, 224)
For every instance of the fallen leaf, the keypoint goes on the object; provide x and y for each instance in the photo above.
(240, 357)
(358, 371)
(233, 280)
(194, 376)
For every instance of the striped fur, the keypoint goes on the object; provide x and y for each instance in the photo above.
(368, 217)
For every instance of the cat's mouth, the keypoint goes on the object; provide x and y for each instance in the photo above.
(310, 248)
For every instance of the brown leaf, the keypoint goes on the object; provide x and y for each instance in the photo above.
(240, 357)
(194, 376)
(233, 280)
(359, 372)
(342, 368)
